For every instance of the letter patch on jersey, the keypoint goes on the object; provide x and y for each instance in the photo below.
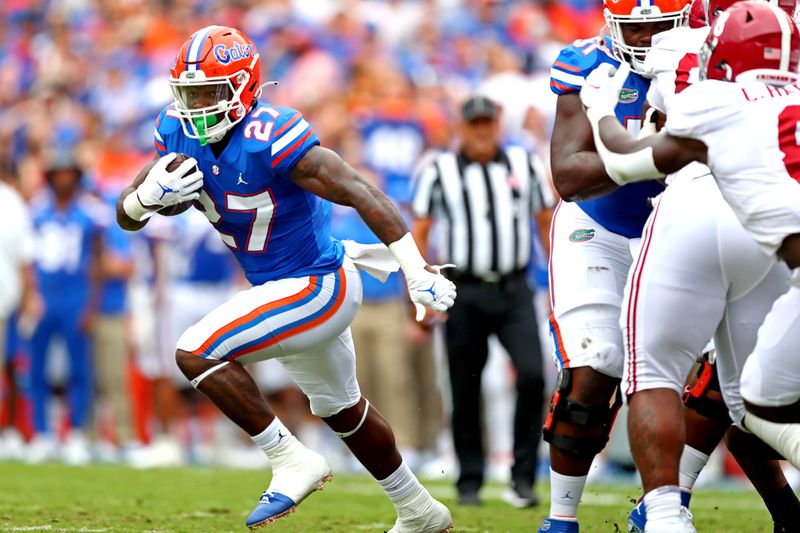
(582, 235)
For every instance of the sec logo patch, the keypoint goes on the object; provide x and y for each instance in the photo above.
(582, 235)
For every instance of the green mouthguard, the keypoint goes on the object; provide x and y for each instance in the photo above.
(202, 124)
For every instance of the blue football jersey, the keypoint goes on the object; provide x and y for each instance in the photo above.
(64, 246)
(625, 210)
(274, 228)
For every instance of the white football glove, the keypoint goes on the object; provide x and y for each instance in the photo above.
(428, 289)
(600, 93)
(161, 188)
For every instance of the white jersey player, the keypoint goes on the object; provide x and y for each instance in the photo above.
(702, 275)
(746, 132)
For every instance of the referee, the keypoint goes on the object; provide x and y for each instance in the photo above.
(483, 198)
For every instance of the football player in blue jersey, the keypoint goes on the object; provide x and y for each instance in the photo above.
(259, 175)
(69, 225)
(593, 236)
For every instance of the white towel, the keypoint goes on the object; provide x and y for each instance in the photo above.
(374, 259)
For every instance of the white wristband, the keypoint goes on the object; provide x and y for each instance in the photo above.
(407, 254)
(623, 168)
(133, 208)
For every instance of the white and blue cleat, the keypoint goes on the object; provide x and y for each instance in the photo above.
(272, 506)
(637, 518)
(295, 475)
(554, 525)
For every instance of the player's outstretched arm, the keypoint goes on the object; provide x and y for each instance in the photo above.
(578, 172)
(626, 158)
(324, 173)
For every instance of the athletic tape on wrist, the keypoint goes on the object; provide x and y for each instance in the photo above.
(134, 208)
(407, 254)
(196, 381)
(361, 423)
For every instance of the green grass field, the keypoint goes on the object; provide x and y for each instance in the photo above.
(104, 498)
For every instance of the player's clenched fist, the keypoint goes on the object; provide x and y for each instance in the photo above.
(163, 187)
(430, 289)
(600, 92)
(426, 285)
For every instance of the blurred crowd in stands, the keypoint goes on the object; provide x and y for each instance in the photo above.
(82, 82)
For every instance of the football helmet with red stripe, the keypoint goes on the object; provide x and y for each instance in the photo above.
(752, 40)
(697, 14)
(215, 79)
(714, 8)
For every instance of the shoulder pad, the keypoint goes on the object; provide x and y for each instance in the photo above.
(704, 107)
(168, 121)
(680, 39)
(264, 125)
(576, 61)
(291, 138)
(671, 64)
(167, 124)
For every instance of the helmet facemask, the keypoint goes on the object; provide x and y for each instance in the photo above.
(703, 59)
(634, 55)
(209, 107)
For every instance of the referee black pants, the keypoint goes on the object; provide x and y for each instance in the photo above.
(504, 309)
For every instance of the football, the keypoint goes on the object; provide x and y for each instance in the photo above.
(176, 209)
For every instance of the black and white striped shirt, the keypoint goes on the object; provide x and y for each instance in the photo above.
(483, 211)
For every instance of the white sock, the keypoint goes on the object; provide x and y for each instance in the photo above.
(402, 485)
(565, 495)
(692, 463)
(663, 503)
(275, 434)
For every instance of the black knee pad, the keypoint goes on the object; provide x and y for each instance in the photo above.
(563, 409)
(705, 396)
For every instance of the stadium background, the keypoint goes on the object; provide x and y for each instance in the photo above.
(379, 80)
